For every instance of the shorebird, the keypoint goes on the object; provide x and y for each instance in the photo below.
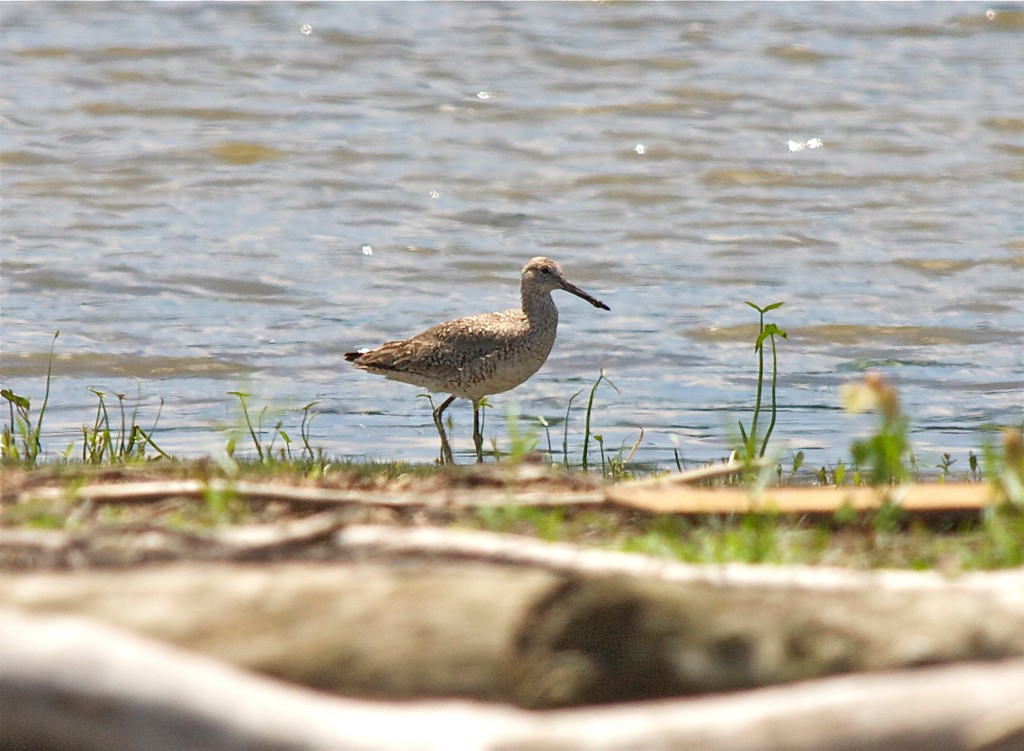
(477, 356)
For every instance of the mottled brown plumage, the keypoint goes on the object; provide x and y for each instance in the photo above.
(480, 355)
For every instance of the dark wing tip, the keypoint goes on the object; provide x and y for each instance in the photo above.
(353, 356)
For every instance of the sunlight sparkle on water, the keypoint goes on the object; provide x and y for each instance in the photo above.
(813, 143)
(307, 29)
(640, 149)
(367, 250)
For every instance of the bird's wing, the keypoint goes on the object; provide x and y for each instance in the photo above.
(445, 348)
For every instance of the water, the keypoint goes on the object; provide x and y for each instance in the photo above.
(207, 198)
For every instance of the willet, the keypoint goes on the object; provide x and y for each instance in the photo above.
(477, 356)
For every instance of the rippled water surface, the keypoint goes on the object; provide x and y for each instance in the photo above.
(204, 198)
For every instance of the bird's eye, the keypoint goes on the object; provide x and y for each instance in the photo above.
(545, 270)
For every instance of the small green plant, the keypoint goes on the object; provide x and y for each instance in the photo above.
(307, 418)
(266, 452)
(675, 452)
(888, 518)
(546, 523)
(1006, 471)
(20, 426)
(307, 452)
(547, 432)
(590, 408)
(127, 442)
(1004, 520)
(565, 430)
(972, 462)
(766, 332)
(222, 502)
(885, 455)
(520, 443)
(615, 466)
(798, 462)
(835, 476)
(945, 463)
(242, 396)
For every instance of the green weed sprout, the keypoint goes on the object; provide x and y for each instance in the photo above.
(520, 443)
(1009, 478)
(615, 466)
(885, 453)
(307, 418)
(266, 452)
(1004, 518)
(242, 396)
(547, 431)
(765, 332)
(565, 430)
(127, 443)
(21, 424)
(590, 407)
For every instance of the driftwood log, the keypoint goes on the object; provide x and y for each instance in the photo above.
(430, 613)
(68, 682)
(167, 656)
(434, 613)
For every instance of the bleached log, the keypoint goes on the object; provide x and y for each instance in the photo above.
(433, 626)
(68, 682)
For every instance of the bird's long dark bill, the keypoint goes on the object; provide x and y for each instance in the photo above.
(570, 287)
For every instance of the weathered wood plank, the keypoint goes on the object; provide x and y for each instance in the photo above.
(665, 496)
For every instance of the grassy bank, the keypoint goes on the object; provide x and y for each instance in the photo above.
(199, 500)
(40, 490)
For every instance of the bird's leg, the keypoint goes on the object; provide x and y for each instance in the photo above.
(478, 438)
(446, 450)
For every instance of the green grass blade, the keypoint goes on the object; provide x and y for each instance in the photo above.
(36, 446)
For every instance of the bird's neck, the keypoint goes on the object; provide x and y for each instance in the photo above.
(539, 307)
